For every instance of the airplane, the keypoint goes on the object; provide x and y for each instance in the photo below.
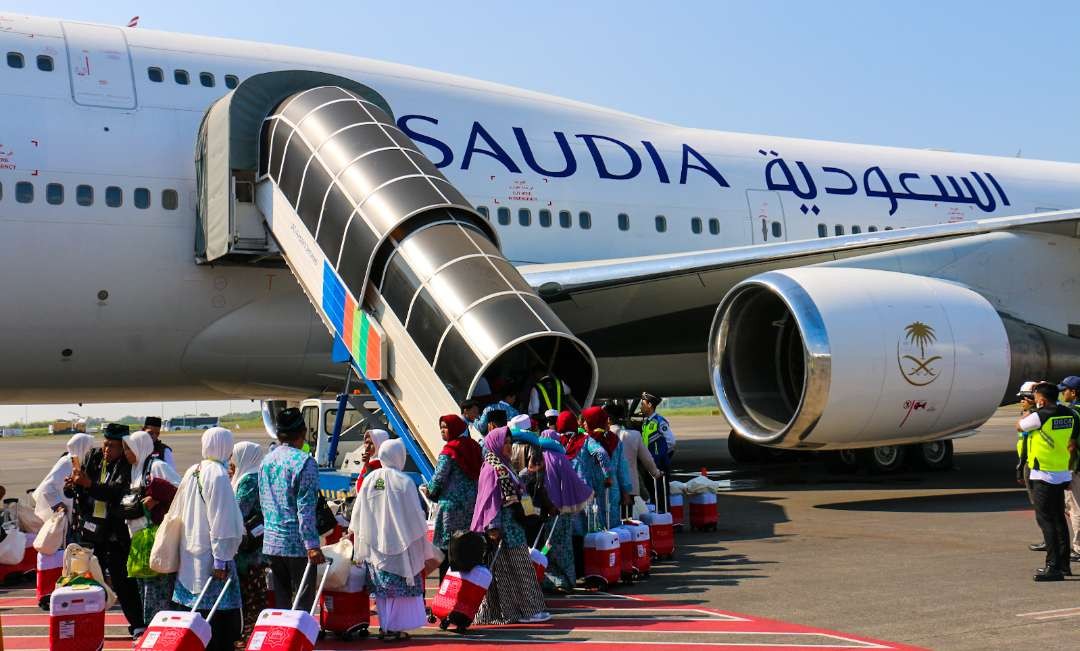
(834, 297)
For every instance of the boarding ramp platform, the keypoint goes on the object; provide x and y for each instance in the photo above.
(407, 276)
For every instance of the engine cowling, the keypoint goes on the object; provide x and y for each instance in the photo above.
(826, 358)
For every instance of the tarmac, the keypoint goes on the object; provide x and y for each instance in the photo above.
(926, 560)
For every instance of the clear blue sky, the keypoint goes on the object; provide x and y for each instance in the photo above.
(982, 77)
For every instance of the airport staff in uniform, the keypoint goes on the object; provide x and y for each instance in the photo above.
(549, 392)
(656, 434)
(152, 426)
(1070, 392)
(1050, 445)
(1026, 395)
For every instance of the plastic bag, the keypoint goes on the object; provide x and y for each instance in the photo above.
(639, 508)
(138, 560)
(699, 485)
(12, 547)
(341, 553)
(53, 534)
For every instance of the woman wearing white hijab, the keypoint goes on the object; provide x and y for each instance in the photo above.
(247, 458)
(49, 495)
(213, 529)
(390, 533)
(154, 482)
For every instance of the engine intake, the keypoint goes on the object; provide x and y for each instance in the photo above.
(842, 358)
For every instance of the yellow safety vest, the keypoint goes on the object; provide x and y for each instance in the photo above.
(1048, 446)
(547, 399)
(648, 428)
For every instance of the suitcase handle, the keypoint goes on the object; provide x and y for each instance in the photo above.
(656, 494)
(203, 594)
(318, 592)
(547, 543)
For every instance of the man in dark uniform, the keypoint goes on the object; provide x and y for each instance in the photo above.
(97, 486)
(152, 426)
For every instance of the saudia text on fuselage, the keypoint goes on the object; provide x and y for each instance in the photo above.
(616, 160)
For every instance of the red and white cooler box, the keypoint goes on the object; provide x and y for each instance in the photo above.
(661, 533)
(284, 630)
(347, 612)
(77, 618)
(602, 556)
(28, 561)
(642, 548)
(626, 551)
(50, 567)
(172, 630)
(703, 514)
(540, 563)
(678, 512)
(461, 593)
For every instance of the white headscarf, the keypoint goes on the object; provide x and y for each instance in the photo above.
(247, 457)
(378, 437)
(50, 491)
(142, 444)
(213, 523)
(388, 524)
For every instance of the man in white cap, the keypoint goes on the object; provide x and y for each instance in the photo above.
(551, 418)
(1026, 395)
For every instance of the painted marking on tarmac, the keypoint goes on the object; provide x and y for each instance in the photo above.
(1059, 613)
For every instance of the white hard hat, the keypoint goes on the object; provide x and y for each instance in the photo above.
(1027, 388)
(551, 413)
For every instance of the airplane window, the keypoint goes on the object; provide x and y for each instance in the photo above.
(155, 74)
(141, 198)
(114, 196)
(1, 190)
(231, 81)
(695, 225)
(524, 217)
(54, 194)
(872, 229)
(839, 229)
(888, 228)
(584, 220)
(776, 231)
(714, 226)
(545, 218)
(855, 230)
(44, 63)
(181, 77)
(566, 220)
(822, 230)
(24, 192)
(206, 79)
(15, 60)
(624, 222)
(504, 216)
(661, 224)
(84, 195)
(170, 200)
(483, 210)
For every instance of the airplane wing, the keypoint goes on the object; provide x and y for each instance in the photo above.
(625, 304)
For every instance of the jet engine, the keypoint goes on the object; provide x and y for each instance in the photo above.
(839, 358)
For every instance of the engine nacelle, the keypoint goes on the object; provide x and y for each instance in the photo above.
(823, 358)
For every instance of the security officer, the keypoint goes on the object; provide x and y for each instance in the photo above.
(1051, 442)
(1026, 396)
(97, 487)
(660, 441)
(152, 426)
(1070, 388)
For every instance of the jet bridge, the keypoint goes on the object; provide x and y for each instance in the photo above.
(406, 275)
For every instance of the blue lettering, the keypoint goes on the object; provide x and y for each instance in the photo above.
(447, 153)
(495, 151)
(601, 165)
(658, 162)
(706, 166)
(530, 159)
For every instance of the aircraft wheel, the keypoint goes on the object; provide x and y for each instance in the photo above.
(935, 455)
(744, 451)
(883, 459)
(841, 462)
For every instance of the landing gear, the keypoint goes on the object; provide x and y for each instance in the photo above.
(744, 451)
(883, 459)
(935, 455)
(842, 462)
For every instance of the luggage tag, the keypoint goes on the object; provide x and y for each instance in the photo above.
(137, 525)
(90, 526)
(527, 506)
(100, 509)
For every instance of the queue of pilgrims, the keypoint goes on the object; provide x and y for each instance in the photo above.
(500, 479)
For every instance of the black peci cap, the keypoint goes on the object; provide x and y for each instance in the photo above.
(116, 431)
(152, 421)
(290, 421)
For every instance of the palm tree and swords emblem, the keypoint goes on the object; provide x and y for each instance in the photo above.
(917, 370)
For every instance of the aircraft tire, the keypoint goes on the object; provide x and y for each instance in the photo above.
(935, 455)
(841, 462)
(884, 459)
(743, 451)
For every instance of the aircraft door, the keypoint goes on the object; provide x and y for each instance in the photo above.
(767, 222)
(100, 66)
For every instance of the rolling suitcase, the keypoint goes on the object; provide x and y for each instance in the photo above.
(460, 595)
(347, 612)
(49, 569)
(678, 511)
(603, 565)
(626, 553)
(278, 629)
(642, 549)
(661, 529)
(703, 514)
(77, 618)
(20, 571)
(181, 630)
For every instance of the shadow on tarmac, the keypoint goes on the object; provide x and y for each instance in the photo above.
(982, 502)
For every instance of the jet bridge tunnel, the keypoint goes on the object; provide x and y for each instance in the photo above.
(406, 275)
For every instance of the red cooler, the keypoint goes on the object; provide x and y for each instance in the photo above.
(642, 552)
(347, 612)
(661, 534)
(602, 557)
(77, 618)
(540, 563)
(703, 515)
(459, 597)
(678, 513)
(277, 629)
(175, 631)
(626, 552)
(49, 569)
(23, 567)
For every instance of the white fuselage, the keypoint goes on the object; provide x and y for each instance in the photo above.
(105, 302)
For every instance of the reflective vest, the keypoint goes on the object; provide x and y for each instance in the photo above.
(546, 397)
(1048, 446)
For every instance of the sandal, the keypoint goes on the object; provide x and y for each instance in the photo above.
(393, 636)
